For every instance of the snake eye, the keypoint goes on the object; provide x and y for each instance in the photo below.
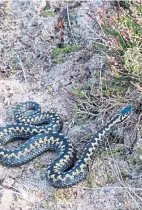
(125, 113)
(124, 116)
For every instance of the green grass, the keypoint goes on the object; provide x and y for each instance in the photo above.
(66, 49)
(48, 13)
(124, 33)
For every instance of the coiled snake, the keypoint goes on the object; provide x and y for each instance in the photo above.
(41, 130)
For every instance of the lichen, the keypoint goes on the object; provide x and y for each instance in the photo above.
(133, 61)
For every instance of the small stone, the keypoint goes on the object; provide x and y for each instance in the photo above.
(8, 182)
(120, 204)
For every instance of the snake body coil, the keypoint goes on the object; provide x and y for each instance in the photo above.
(41, 130)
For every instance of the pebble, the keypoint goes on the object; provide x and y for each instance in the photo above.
(8, 182)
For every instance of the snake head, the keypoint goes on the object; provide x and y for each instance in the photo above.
(124, 113)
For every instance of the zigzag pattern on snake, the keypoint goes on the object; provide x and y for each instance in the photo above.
(41, 130)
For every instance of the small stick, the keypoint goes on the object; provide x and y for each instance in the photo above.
(21, 64)
(70, 25)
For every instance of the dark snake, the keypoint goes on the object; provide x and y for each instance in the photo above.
(41, 130)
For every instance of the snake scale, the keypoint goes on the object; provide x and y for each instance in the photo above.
(41, 130)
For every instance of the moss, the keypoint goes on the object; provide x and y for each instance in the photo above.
(139, 149)
(48, 13)
(133, 61)
(124, 173)
(60, 196)
(134, 160)
(63, 195)
(90, 180)
(45, 204)
(59, 60)
(78, 92)
(65, 49)
(13, 69)
(49, 89)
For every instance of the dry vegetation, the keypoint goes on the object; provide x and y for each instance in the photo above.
(122, 45)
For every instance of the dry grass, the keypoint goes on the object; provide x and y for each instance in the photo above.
(123, 35)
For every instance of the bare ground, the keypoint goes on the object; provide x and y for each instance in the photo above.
(30, 69)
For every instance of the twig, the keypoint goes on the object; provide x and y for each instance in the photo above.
(100, 26)
(13, 190)
(21, 64)
(107, 188)
(101, 93)
(93, 31)
(70, 26)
